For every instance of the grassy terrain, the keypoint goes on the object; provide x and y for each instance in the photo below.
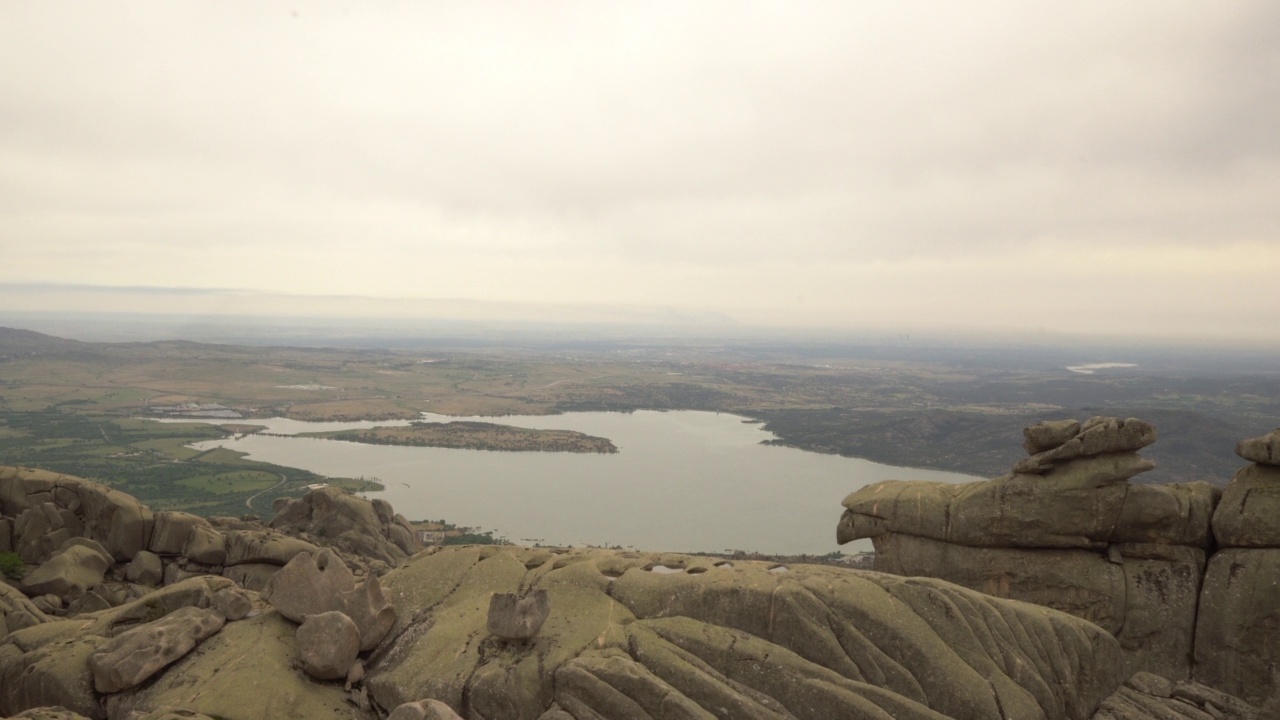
(475, 436)
(150, 460)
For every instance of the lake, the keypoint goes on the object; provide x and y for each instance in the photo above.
(680, 481)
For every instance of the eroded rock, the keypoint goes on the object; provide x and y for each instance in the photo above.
(72, 570)
(328, 644)
(137, 654)
(518, 618)
(1264, 450)
(310, 586)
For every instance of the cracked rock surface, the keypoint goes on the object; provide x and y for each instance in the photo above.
(728, 640)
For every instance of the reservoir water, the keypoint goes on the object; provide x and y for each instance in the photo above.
(681, 481)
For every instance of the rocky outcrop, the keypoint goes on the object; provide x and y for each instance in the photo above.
(73, 569)
(48, 664)
(1236, 646)
(1183, 575)
(311, 586)
(332, 517)
(49, 508)
(1065, 529)
(741, 640)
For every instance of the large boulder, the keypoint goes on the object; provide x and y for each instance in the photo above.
(205, 545)
(48, 664)
(172, 530)
(1066, 529)
(311, 586)
(328, 644)
(75, 568)
(333, 517)
(1264, 450)
(55, 506)
(1249, 513)
(1236, 646)
(263, 546)
(247, 671)
(728, 640)
(133, 656)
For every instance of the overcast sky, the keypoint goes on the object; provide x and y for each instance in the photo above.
(1077, 166)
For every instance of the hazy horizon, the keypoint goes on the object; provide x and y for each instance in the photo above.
(1089, 169)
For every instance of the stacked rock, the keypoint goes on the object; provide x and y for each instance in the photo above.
(1237, 649)
(1064, 529)
(339, 618)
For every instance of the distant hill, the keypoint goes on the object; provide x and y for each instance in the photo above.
(20, 343)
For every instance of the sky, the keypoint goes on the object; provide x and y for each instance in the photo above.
(1083, 167)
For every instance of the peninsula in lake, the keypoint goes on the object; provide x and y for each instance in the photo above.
(472, 435)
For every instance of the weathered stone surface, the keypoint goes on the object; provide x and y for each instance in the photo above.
(70, 571)
(1173, 514)
(1147, 599)
(1048, 435)
(146, 568)
(1264, 450)
(328, 644)
(517, 618)
(132, 657)
(233, 603)
(17, 611)
(1146, 696)
(424, 710)
(171, 531)
(310, 586)
(1080, 582)
(261, 546)
(45, 666)
(1248, 515)
(334, 517)
(75, 507)
(205, 545)
(1096, 436)
(1236, 648)
(253, 576)
(248, 671)
(737, 641)
(368, 607)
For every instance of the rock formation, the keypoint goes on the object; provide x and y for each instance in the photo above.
(1237, 648)
(546, 634)
(1065, 529)
(334, 518)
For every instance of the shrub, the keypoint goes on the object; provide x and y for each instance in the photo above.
(11, 566)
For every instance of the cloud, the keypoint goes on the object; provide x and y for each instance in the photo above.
(593, 152)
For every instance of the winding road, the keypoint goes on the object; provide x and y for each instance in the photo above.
(249, 503)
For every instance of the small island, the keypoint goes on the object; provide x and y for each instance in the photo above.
(474, 436)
